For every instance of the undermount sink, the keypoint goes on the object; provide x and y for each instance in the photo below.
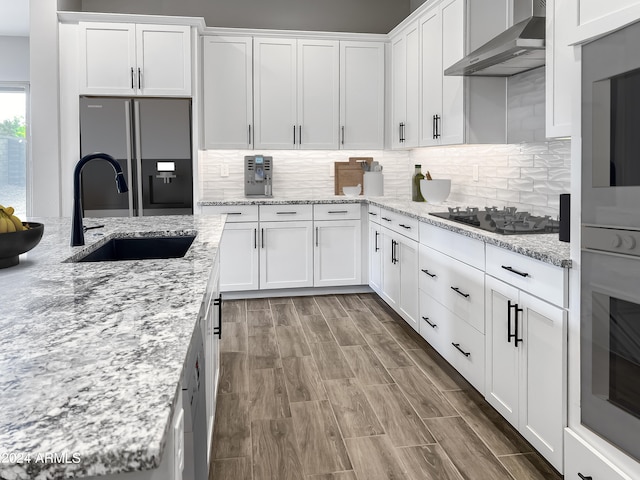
(140, 248)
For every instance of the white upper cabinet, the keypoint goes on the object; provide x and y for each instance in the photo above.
(361, 95)
(296, 93)
(560, 65)
(275, 93)
(593, 18)
(405, 74)
(228, 92)
(134, 59)
(442, 98)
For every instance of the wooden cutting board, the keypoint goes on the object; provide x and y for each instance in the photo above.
(350, 174)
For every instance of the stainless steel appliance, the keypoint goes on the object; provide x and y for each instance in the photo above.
(258, 176)
(506, 221)
(610, 266)
(151, 139)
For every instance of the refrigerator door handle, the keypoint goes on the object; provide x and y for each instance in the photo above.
(127, 114)
(136, 113)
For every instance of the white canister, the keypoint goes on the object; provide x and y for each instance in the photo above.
(373, 184)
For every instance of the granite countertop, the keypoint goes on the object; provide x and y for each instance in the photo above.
(544, 247)
(92, 353)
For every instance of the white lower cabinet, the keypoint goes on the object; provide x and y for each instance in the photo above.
(286, 254)
(211, 333)
(400, 275)
(337, 258)
(239, 263)
(582, 462)
(526, 364)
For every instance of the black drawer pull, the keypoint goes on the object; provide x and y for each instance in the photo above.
(386, 219)
(218, 330)
(338, 211)
(432, 325)
(457, 290)
(583, 477)
(512, 270)
(457, 345)
(432, 275)
(234, 213)
(286, 213)
(374, 214)
(405, 226)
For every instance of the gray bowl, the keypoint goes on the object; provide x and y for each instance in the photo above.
(14, 243)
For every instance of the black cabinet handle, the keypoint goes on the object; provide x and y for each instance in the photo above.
(132, 85)
(233, 213)
(394, 244)
(342, 136)
(404, 129)
(262, 236)
(438, 118)
(299, 134)
(512, 270)
(407, 227)
(377, 235)
(585, 477)
(139, 79)
(457, 345)
(316, 236)
(457, 290)
(218, 330)
(509, 334)
(294, 134)
(249, 134)
(432, 275)
(386, 219)
(401, 132)
(286, 213)
(515, 335)
(374, 214)
(432, 325)
(255, 238)
(338, 211)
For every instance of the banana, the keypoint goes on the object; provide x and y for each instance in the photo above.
(10, 226)
(4, 228)
(8, 210)
(17, 223)
(13, 223)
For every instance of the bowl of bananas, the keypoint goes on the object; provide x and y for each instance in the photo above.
(16, 237)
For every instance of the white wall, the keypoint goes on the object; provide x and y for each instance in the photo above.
(44, 194)
(14, 59)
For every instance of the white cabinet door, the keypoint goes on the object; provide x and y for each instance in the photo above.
(594, 18)
(407, 258)
(542, 378)
(560, 65)
(107, 62)
(337, 258)
(405, 61)
(451, 126)
(212, 349)
(582, 461)
(375, 257)
(286, 254)
(239, 257)
(502, 365)
(163, 55)
(318, 97)
(274, 75)
(228, 92)
(431, 85)
(362, 95)
(390, 269)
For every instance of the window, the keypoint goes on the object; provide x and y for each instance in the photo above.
(13, 147)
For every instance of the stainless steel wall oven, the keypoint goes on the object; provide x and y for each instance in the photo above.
(610, 284)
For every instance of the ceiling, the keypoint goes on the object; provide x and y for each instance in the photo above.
(14, 18)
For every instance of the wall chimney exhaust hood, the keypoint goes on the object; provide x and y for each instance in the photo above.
(516, 50)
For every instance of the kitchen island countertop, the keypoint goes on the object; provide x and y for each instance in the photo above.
(544, 247)
(93, 353)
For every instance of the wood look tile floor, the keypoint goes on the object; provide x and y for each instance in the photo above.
(338, 387)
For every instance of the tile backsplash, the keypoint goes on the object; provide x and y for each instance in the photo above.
(526, 175)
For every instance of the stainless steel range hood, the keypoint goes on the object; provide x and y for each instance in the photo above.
(516, 50)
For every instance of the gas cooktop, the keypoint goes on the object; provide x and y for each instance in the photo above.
(507, 221)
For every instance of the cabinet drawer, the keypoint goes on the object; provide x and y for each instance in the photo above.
(337, 211)
(581, 459)
(533, 276)
(434, 323)
(283, 213)
(374, 213)
(235, 213)
(465, 347)
(466, 249)
(456, 285)
(399, 223)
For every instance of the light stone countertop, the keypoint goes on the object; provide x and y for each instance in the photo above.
(91, 354)
(544, 247)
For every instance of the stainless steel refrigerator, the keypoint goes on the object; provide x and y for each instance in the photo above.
(151, 139)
